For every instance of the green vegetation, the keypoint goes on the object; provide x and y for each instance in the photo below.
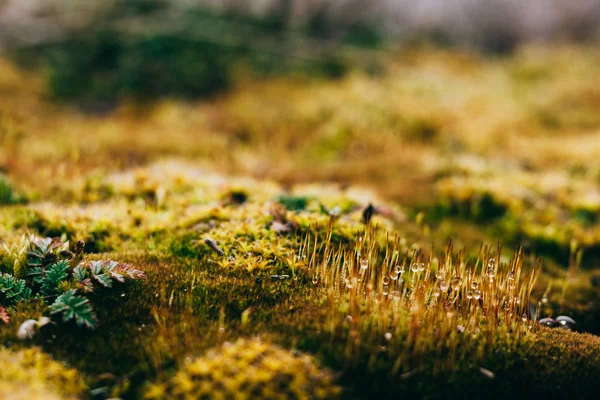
(248, 369)
(129, 51)
(55, 273)
(31, 374)
(305, 214)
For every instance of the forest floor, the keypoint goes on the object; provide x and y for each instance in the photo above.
(292, 215)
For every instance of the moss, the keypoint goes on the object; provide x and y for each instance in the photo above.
(559, 361)
(248, 368)
(13, 258)
(32, 374)
(293, 203)
(496, 173)
(8, 195)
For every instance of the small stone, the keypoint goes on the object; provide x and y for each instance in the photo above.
(27, 329)
(565, 322)
(279, 227)
(548, 322)
(487, 373)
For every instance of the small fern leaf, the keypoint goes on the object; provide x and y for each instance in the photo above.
(131, 272)
(80, 273)
(113, 269)
(74, 307)
(13, 290)
(36, 274)
(55, 274)
(97, 271)
(86, 285)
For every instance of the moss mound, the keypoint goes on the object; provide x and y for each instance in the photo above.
(249, 369)
(33, 375)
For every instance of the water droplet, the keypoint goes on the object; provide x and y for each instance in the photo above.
(544, 300)
(456, 282)
(396, 295)
(517, 300)
(421, 267)
(388, 336)
(474, 285)
(524, 317)
(469, 295)
(436, 293)
(122, 294)
(492, 263)
(315, 280)
(349, 318)
(477, 294)
(394, 275)
(491, 273)
(414, 267)
(440, 274)
(511, 276)
(400, 269)
(385, 290)
(221, 329)
(386, 280)
(443, 286)
(364, 263)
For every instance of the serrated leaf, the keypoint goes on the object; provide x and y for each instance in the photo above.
(86, 285)
(103, 279)
(37, 274)
(113, 269)
(13, 290)
(55, 274)
(97, 271)
(80, 273)
(131, 272)
(74, 307)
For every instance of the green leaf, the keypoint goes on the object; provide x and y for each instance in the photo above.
(113, 269)
(97, 270)
(74, 307)
(37, 274)
(55, 274)
(13, 290)
(80, 273)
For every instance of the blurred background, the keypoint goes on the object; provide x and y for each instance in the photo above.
(102, 51)
(479, 118)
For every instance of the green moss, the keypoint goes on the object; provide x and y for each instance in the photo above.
(248, 368)
(293, 203)
(8, 195)
(559, 361)
(31, 374)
